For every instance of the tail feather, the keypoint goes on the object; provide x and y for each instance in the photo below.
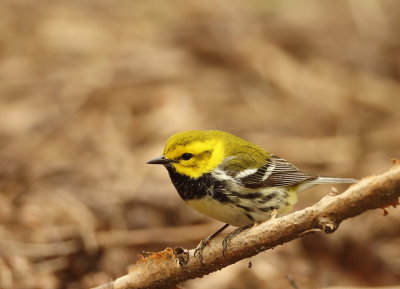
(330, 180)
(325, 180)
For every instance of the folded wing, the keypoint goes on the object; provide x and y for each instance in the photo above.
(276, 172)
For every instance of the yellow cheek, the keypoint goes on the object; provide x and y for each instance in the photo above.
(197, 167)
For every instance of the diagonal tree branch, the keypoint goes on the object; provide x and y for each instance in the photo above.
(167, 268)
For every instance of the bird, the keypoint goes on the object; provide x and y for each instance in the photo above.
(233, 180)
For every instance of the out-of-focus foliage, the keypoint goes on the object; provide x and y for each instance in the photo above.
(90, 90)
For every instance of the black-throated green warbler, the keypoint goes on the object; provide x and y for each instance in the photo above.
(232, 180)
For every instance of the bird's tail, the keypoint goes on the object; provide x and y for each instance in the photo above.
(330, 180)
(325, 180)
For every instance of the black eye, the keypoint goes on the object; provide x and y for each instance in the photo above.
(186, 156)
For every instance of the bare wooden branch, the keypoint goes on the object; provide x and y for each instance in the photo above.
(167, 268)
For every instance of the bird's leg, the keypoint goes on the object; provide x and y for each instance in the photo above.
(236, 232)
(203, 243)
(233, 234)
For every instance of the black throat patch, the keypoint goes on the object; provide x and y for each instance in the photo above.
(191, 189)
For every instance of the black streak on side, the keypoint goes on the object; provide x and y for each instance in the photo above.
(247, 209)
(255, 195)
(192, 189)
(267, 198)
(268, 209)
(250, 217)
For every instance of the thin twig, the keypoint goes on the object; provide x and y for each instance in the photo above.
(167, 268)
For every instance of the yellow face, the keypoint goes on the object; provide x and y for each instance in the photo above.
(194, 153)
(194, 157)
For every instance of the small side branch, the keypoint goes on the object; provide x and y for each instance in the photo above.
(167, 268)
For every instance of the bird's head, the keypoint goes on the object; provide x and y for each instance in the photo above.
(194, 153)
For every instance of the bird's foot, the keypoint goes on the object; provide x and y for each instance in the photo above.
(233, 234)
(203, 243)
(199, 249)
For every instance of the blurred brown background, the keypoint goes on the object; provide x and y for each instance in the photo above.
(90, 90)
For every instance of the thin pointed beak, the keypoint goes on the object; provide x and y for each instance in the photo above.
(160, 161)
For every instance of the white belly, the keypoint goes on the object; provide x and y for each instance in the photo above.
(223, 212)
(236, 216)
